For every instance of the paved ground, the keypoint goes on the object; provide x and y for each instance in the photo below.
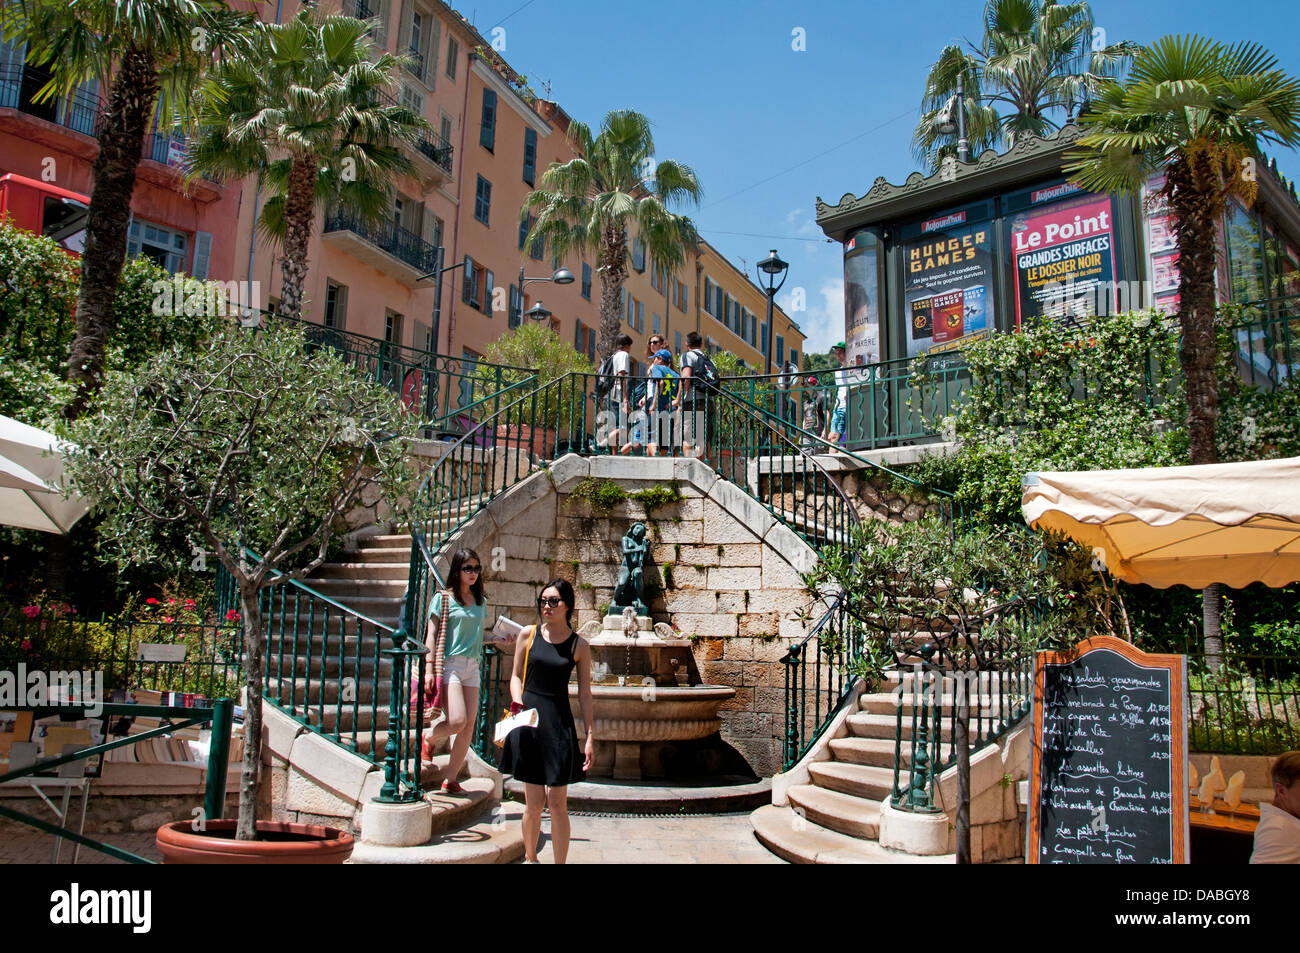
(597, 839)
(689, 839)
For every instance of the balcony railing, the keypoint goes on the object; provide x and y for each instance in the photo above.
(435, 147)
(19, 83)
(401, 244)
(416, 68)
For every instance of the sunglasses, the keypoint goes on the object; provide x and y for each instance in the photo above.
(471, 568)
(549, 601)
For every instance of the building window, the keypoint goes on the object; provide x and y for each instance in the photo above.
(709, 306)
(392, 327)
(794, 357)
(681, 296)
(780, 351)
(487, 130)
(537, 250)
(655, 323)
(487, 291)
(640, 316)
(412, 100)
(471, 289)
(525, 225)
(530, 155)
(638, 254)
(336, 305)
(677, 341)
(482, 200)
(163, 246)
(453, 53)
(515, 314)
(468, 364)
(763, 345)
(444, 129)
(586, 281)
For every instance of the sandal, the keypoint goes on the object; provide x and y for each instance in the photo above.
(426, 749)
(452, 787)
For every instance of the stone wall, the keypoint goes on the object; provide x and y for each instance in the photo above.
(877, 495)
(722, 569)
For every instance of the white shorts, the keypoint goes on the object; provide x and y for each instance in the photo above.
(464, 670)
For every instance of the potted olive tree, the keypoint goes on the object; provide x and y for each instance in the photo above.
(250, 439)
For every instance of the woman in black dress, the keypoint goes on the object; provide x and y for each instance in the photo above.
(547, 758)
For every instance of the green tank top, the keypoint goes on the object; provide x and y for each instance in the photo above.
(464, 627)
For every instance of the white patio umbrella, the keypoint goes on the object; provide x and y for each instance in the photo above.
(1231, 523)
(32, 481)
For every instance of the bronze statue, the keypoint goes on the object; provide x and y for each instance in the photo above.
(628, 591)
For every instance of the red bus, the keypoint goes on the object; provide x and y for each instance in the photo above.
(45, 209)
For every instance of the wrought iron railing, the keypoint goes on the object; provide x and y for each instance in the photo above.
(446, 392)
(19, 83)
(218, 715)
(188, 657)
(1250, 705)
(907, 399)
(431, 145)
(403, 245)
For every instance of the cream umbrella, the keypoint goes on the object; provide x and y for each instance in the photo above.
(32, 483)
(1231, 523)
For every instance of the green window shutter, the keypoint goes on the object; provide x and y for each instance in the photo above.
(487, 295)
(487, 131)
(530, 155)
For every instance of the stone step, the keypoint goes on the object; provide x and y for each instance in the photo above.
(887, 703)
(329, 668)
(872, 725)
(800, 841)
(380, 554)
(343, 589)
(311, 641)
(844, 813)
(391, 541)
(300, 688)
(496, 837)
(871, 783)
(371, 569)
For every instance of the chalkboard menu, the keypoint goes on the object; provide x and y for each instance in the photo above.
(1108, 766)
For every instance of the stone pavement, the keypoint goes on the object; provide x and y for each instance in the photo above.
(597, 839)
(665, 839)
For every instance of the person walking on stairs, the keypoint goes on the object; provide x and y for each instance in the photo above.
(547, 758)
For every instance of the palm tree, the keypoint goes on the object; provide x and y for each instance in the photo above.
(1035, 61)
(1199, 111)
(590, 201)
(307, 109)
(144, 51)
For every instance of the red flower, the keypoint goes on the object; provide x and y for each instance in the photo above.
(151, 602)
(168, 618)
(31, 611)
(171, 602)
(232, 616)
(27, 645)
(189, 603)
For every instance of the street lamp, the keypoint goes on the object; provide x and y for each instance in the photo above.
(538, 313)
(953, 119)
(561, 276)
(772, 266)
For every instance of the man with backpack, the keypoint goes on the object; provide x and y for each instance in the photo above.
(699, 377)
(612, 387)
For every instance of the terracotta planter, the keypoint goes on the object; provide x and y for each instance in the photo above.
(278, 843)
(538, 440)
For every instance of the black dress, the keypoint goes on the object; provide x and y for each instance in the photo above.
(548, 754)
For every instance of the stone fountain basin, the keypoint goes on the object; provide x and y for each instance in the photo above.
(653, 712)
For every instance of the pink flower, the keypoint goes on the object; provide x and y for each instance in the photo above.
(27, 645)
(171, 602)
(151, 602)
(189, 603)
(168, 618)
(31, 611)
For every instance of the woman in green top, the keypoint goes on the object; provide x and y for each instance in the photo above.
(463, 648)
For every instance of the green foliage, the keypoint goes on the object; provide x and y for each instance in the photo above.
(251, 437)
(819, 362)
(601, 496)
(529, 349)
(1056, 398)
(1035, 61)
(654, 497)
(38, 295)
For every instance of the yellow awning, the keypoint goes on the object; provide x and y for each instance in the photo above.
(1232, 523)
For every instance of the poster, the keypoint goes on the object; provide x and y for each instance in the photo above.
(1065, 259)
(861, 305)
(1162, 247)
(946, 285)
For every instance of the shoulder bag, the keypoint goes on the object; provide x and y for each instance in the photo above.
(527, 718)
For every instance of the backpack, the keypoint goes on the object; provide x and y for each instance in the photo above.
(708, 371)
(605, 377)
(670, 383)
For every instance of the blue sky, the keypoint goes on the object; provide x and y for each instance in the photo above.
(768, 128)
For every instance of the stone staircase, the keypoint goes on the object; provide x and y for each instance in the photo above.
(827, 809)
(328, 784)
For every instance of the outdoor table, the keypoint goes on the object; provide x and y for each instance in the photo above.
(1226, 837)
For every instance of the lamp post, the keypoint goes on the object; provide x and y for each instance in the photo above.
(772, 266)
(538, 313)
(561, 276)
(954, 119)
